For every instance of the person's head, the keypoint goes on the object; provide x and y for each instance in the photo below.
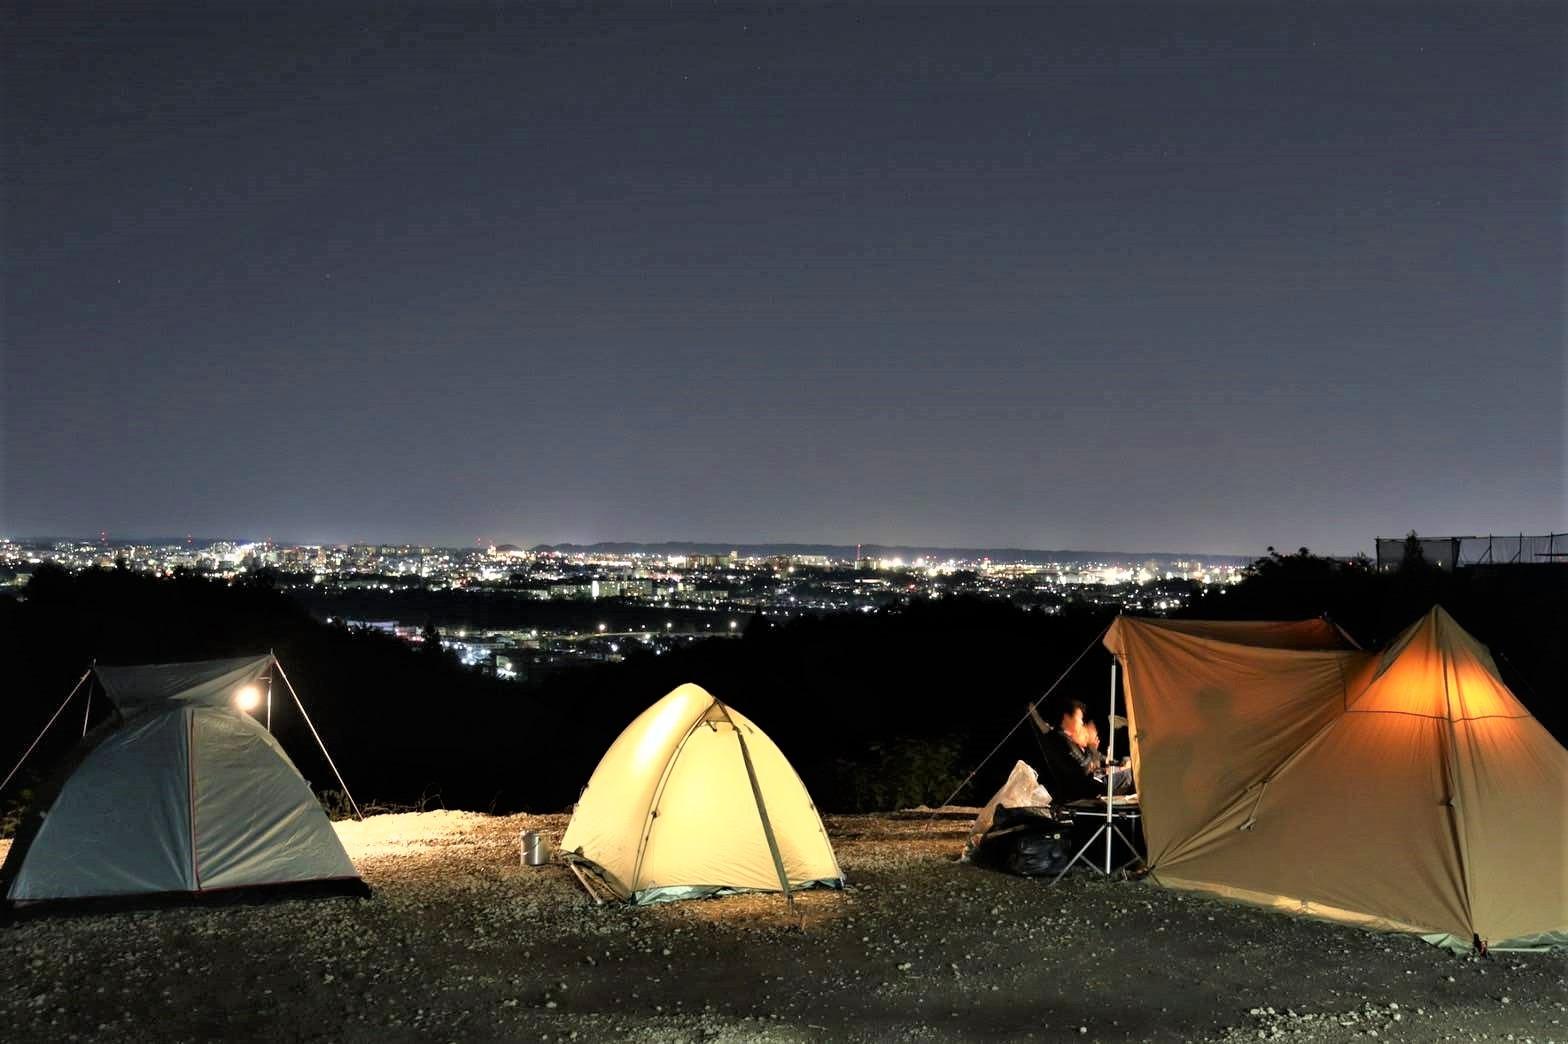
(1072, 718)
(1090, 736)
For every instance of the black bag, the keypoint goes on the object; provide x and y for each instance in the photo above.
(1028, 842)
(1038, 854)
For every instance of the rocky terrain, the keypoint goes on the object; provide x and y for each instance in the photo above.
(462, 943)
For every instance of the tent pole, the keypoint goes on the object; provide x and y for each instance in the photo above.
(762, 810)
(88, 713)
(306, 714)
(17, 767)
(1110, 777)
(269, 692)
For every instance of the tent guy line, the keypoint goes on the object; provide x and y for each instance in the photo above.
(298, 703)
(47, 726)
(1019, 723)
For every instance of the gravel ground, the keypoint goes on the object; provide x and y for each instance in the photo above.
(462, 943)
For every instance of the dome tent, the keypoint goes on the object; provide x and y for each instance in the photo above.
(179, 793)
(1406, 790)
(692, 799)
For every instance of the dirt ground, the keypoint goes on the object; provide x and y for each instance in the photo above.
(461, 943)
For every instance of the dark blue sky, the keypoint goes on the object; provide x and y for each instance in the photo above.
(1175, 276)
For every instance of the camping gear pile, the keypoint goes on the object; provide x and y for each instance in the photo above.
(1017, 831)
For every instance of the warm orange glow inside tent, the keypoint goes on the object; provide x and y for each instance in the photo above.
(1407, 789)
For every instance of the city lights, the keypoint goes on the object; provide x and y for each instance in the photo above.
(548, 585)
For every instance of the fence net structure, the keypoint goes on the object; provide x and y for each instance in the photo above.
(1455, 552)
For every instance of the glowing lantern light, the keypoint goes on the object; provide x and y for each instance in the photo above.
(248, 698)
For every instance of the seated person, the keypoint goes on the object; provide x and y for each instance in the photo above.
(1121, 772)
(1073, 757)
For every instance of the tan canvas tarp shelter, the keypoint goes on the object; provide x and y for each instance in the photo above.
(1407, 789)
(693, 799)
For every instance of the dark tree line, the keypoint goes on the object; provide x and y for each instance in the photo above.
(875, 711)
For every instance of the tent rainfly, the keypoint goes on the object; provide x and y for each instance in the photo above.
(1406, 790)
(691, 800)
(179, 793)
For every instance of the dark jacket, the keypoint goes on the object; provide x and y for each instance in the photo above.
(1070, 767)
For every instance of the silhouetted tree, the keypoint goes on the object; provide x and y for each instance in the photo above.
(431, 639)
(1414, 556)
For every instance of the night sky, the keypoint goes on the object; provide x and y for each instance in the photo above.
(1136, 276)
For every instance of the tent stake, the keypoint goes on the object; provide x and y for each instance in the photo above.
(17, 767)
(284, 675)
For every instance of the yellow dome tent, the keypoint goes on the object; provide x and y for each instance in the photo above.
(1405, 790)
(692, 799)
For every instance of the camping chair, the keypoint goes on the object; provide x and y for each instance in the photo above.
(1124, 818)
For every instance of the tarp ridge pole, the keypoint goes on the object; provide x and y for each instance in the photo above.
(47, 725)
(1110, 772)
(306, 714)
(1016, 725)
(269, 692)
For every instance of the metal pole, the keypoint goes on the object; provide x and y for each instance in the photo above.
(17, 767)
(306, 715)
(762, 812)
(88, 713)
(1110, 778)
(269, 694)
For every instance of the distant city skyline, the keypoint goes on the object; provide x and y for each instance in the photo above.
(1137, 274)
(841, 549)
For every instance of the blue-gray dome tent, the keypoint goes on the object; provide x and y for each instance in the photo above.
(182, 792)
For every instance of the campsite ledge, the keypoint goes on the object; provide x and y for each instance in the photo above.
(461, 939)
